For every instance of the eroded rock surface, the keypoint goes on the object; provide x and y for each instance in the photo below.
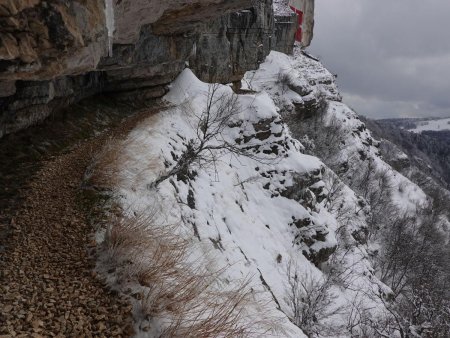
(40, 40)
(285, 28)
(308, 24)
(168, 17)
(53, 53)
(230, 46)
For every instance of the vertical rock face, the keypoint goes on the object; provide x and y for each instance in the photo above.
(53, 53)
(153, 60)
(169, 16)
(305, 11)
(236, 43)
(47, 49)
(285, 29)
(40, 40)
(308, 22)
(220, 50)
(33, 101)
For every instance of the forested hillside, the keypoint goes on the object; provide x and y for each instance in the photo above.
(428, 150)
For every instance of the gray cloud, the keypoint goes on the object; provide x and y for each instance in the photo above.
(392, 57)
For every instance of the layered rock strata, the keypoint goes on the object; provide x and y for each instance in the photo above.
(53, 53)
(285, 28)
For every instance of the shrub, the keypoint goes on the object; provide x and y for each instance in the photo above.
(184, 294)
(312, 302)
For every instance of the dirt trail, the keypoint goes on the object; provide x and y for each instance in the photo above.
(47, 283)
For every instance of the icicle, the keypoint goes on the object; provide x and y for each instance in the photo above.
(109, 14)
(194, 50)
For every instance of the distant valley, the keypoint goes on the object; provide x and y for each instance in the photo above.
(426, 142)
(418, 125)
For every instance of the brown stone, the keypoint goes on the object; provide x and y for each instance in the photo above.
(9, 48)
(101, 326)
(75, 46)
(44, 258)
(7, 308)
(37, 323)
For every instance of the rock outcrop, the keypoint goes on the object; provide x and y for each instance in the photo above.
(40, 40)
(44, 39)
(168, 17)
(53, 53)
(285, 28)
(305, 11)
(308, 22)
(234, 44)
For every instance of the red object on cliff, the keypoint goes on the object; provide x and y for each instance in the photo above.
(298, 34)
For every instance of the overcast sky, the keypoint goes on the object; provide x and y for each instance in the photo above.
(392, 57)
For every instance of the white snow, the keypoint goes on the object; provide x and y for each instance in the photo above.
(231, 205)
(236, 216)
(314, 79)
(431, 125)
(281, 7)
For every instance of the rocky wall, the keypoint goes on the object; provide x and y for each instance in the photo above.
(285, 29)
(236, 43)
(40, 40)
(34, 101)
(169, 16)
(53, 53)
(308, 23)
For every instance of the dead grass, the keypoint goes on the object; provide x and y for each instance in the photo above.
(186, 294)
(112, 166)
(138, 251)
(103, 172)
(213, 314)
(284, 79)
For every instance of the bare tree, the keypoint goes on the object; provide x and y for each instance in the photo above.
(375, 186)
(414, 263)
(335, 191)
(209, 143)
(312, 302)
(324, 134)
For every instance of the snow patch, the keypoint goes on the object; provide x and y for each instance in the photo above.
(431, 125)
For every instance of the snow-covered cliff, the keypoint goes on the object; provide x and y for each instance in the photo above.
(252, 202)
(305, 235)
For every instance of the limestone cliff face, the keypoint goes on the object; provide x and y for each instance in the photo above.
(308, 24)
(234, 44)
(284, 9)
(53, 53)
(169, 16)
(40, 40)
(285, 29)
(44, 39)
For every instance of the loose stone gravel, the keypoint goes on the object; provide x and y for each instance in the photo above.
(47, 284)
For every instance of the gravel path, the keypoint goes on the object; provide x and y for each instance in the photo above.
(47, 284)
